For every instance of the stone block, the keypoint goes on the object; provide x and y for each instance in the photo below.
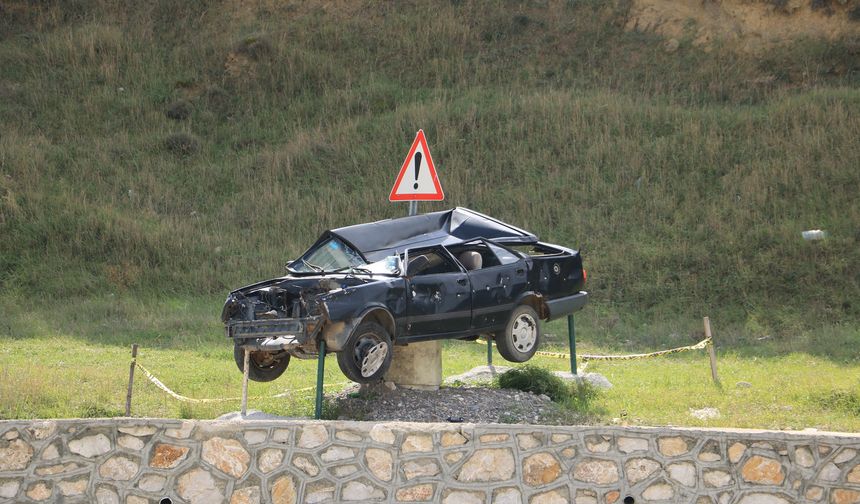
(313, 436)
(761, 470)
(417, 443)
(683, 472)
(596, 471)
(507, 495)
(541, 469)
(166, 456)
(362, 491)
(40, 491)
(659, 492)
(419, 468)
(382, 434)
(640, 469)
(556, 496)
(488, 464)
(269, 459)
(380, 463)
(453, 439)
(416, 493)
(119, 468)
(803, 456)
(306, 465)
(284, 490)
(631, 444)
(673, 446)
(247, 495)
(463, 497)
(90, 446)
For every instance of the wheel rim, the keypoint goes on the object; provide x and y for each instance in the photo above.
(370, 354)
(524, 332)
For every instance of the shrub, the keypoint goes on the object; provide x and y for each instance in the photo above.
(182, 144)
(536, 380)
(179, 110)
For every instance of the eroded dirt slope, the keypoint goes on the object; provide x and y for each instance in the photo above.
(748, 25)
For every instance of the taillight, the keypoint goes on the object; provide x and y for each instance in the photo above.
(584, 276)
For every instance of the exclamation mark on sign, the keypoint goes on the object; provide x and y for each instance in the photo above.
(417, 169)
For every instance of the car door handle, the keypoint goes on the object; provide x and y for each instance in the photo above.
(520, 271)
(461, 281)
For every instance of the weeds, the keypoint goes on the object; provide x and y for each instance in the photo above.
(537, 380)
(182, 144)
(845, 401)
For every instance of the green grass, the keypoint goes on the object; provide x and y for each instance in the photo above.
(685, 182)
(78, 366)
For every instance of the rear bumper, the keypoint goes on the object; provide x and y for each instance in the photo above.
(566, 305)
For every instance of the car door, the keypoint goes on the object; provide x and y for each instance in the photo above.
(438, 299)
(496, 284)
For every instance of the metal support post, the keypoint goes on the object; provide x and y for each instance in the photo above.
(320, 373)
(489, 351)
(130, 379)
(413, 208)
(245, 369)
(571, 337)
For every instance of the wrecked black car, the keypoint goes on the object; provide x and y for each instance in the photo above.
(442, 275)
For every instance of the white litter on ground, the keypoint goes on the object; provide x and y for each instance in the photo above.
(705, 413)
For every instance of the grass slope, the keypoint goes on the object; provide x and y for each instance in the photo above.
(154, 155)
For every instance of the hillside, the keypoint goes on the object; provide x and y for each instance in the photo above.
(163, 149)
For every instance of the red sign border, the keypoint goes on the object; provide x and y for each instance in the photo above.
(438, 195)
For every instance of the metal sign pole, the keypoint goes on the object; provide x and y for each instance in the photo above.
(571, 337)
(320, 374)
(489, 351)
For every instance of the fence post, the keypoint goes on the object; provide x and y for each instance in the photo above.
(712, 353)
(571, 340)
(130, 379)
(320, 373)
(489, 350)
(245, 369)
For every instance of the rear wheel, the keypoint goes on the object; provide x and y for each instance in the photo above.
(522, 335)
(366, 356)
(263, 366)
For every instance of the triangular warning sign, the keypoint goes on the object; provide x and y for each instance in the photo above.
(417, 180)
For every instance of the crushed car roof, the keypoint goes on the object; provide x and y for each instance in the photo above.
(376, 240)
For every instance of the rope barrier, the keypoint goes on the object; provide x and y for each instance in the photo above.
(179, 397)
(590, 357)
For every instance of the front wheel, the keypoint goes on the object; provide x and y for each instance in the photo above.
(522, 335)
(366, 356)
(263, 366)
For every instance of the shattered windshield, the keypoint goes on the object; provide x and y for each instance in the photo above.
(333, 255)
(330, 255)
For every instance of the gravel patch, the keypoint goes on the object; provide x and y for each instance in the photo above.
(448, 404)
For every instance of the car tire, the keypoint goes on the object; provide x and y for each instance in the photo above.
(521, 337)
(263, 366)
(355, 359)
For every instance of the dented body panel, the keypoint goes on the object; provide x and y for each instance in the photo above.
(442, 298)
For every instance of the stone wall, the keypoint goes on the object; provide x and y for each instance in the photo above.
(139, 461)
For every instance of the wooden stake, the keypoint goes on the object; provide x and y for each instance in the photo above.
(245, 367)
(712, 353)
(130, 379)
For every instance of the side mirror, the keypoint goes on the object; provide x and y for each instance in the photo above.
(416, 264)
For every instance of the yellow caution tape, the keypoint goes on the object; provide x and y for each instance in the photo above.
(179, 397)
(588, 357)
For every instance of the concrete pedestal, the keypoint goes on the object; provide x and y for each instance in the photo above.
(417, 366)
